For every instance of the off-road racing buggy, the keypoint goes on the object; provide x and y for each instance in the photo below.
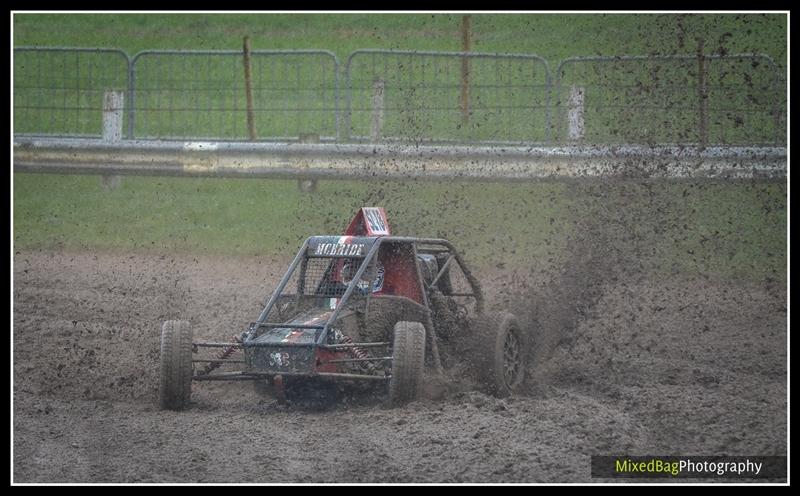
(366, 306)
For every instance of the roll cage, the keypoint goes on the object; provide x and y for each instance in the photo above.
(319, 247)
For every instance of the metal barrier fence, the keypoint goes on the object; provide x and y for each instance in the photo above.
(447, 97)
(59, 91)
(402, 96)
(201, 94)
(677, 99)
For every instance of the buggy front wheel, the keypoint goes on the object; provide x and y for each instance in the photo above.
(175, 384)
(408, 363)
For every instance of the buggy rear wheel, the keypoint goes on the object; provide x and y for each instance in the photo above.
(408, 362)
(501, 347)
(175, 384)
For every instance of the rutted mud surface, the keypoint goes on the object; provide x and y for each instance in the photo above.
(677, 366)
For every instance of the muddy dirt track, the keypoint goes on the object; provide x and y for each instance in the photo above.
(675, 366)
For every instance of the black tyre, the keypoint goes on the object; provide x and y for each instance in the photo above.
(175, 385)
(501, 347)
(408, 362)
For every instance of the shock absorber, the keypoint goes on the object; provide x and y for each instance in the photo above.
(357, 352)
(225, 353)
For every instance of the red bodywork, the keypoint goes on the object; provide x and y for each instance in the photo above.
(400, 277)
(369, 221)
(400, 270)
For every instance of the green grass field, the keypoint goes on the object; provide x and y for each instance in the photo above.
(552, 36)
(258, 217)
(724, 229)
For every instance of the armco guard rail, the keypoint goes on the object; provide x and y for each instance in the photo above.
(341, 161)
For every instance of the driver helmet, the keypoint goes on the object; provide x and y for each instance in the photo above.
(364, 285)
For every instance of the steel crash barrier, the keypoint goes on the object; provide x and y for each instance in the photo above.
(440, 114)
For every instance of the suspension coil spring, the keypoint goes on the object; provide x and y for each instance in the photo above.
(357, 351)
(225, 353)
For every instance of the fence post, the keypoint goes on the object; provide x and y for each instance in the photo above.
(575, 113)
(702, 95)
(113, 105)
(131, 97)
(466, 46)
(376, 129)
(248, 88)
(348, 101)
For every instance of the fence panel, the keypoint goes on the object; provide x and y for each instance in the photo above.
(201, 94)
(684, 100)
(406, 96)
(59, 91)
(441, 97)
